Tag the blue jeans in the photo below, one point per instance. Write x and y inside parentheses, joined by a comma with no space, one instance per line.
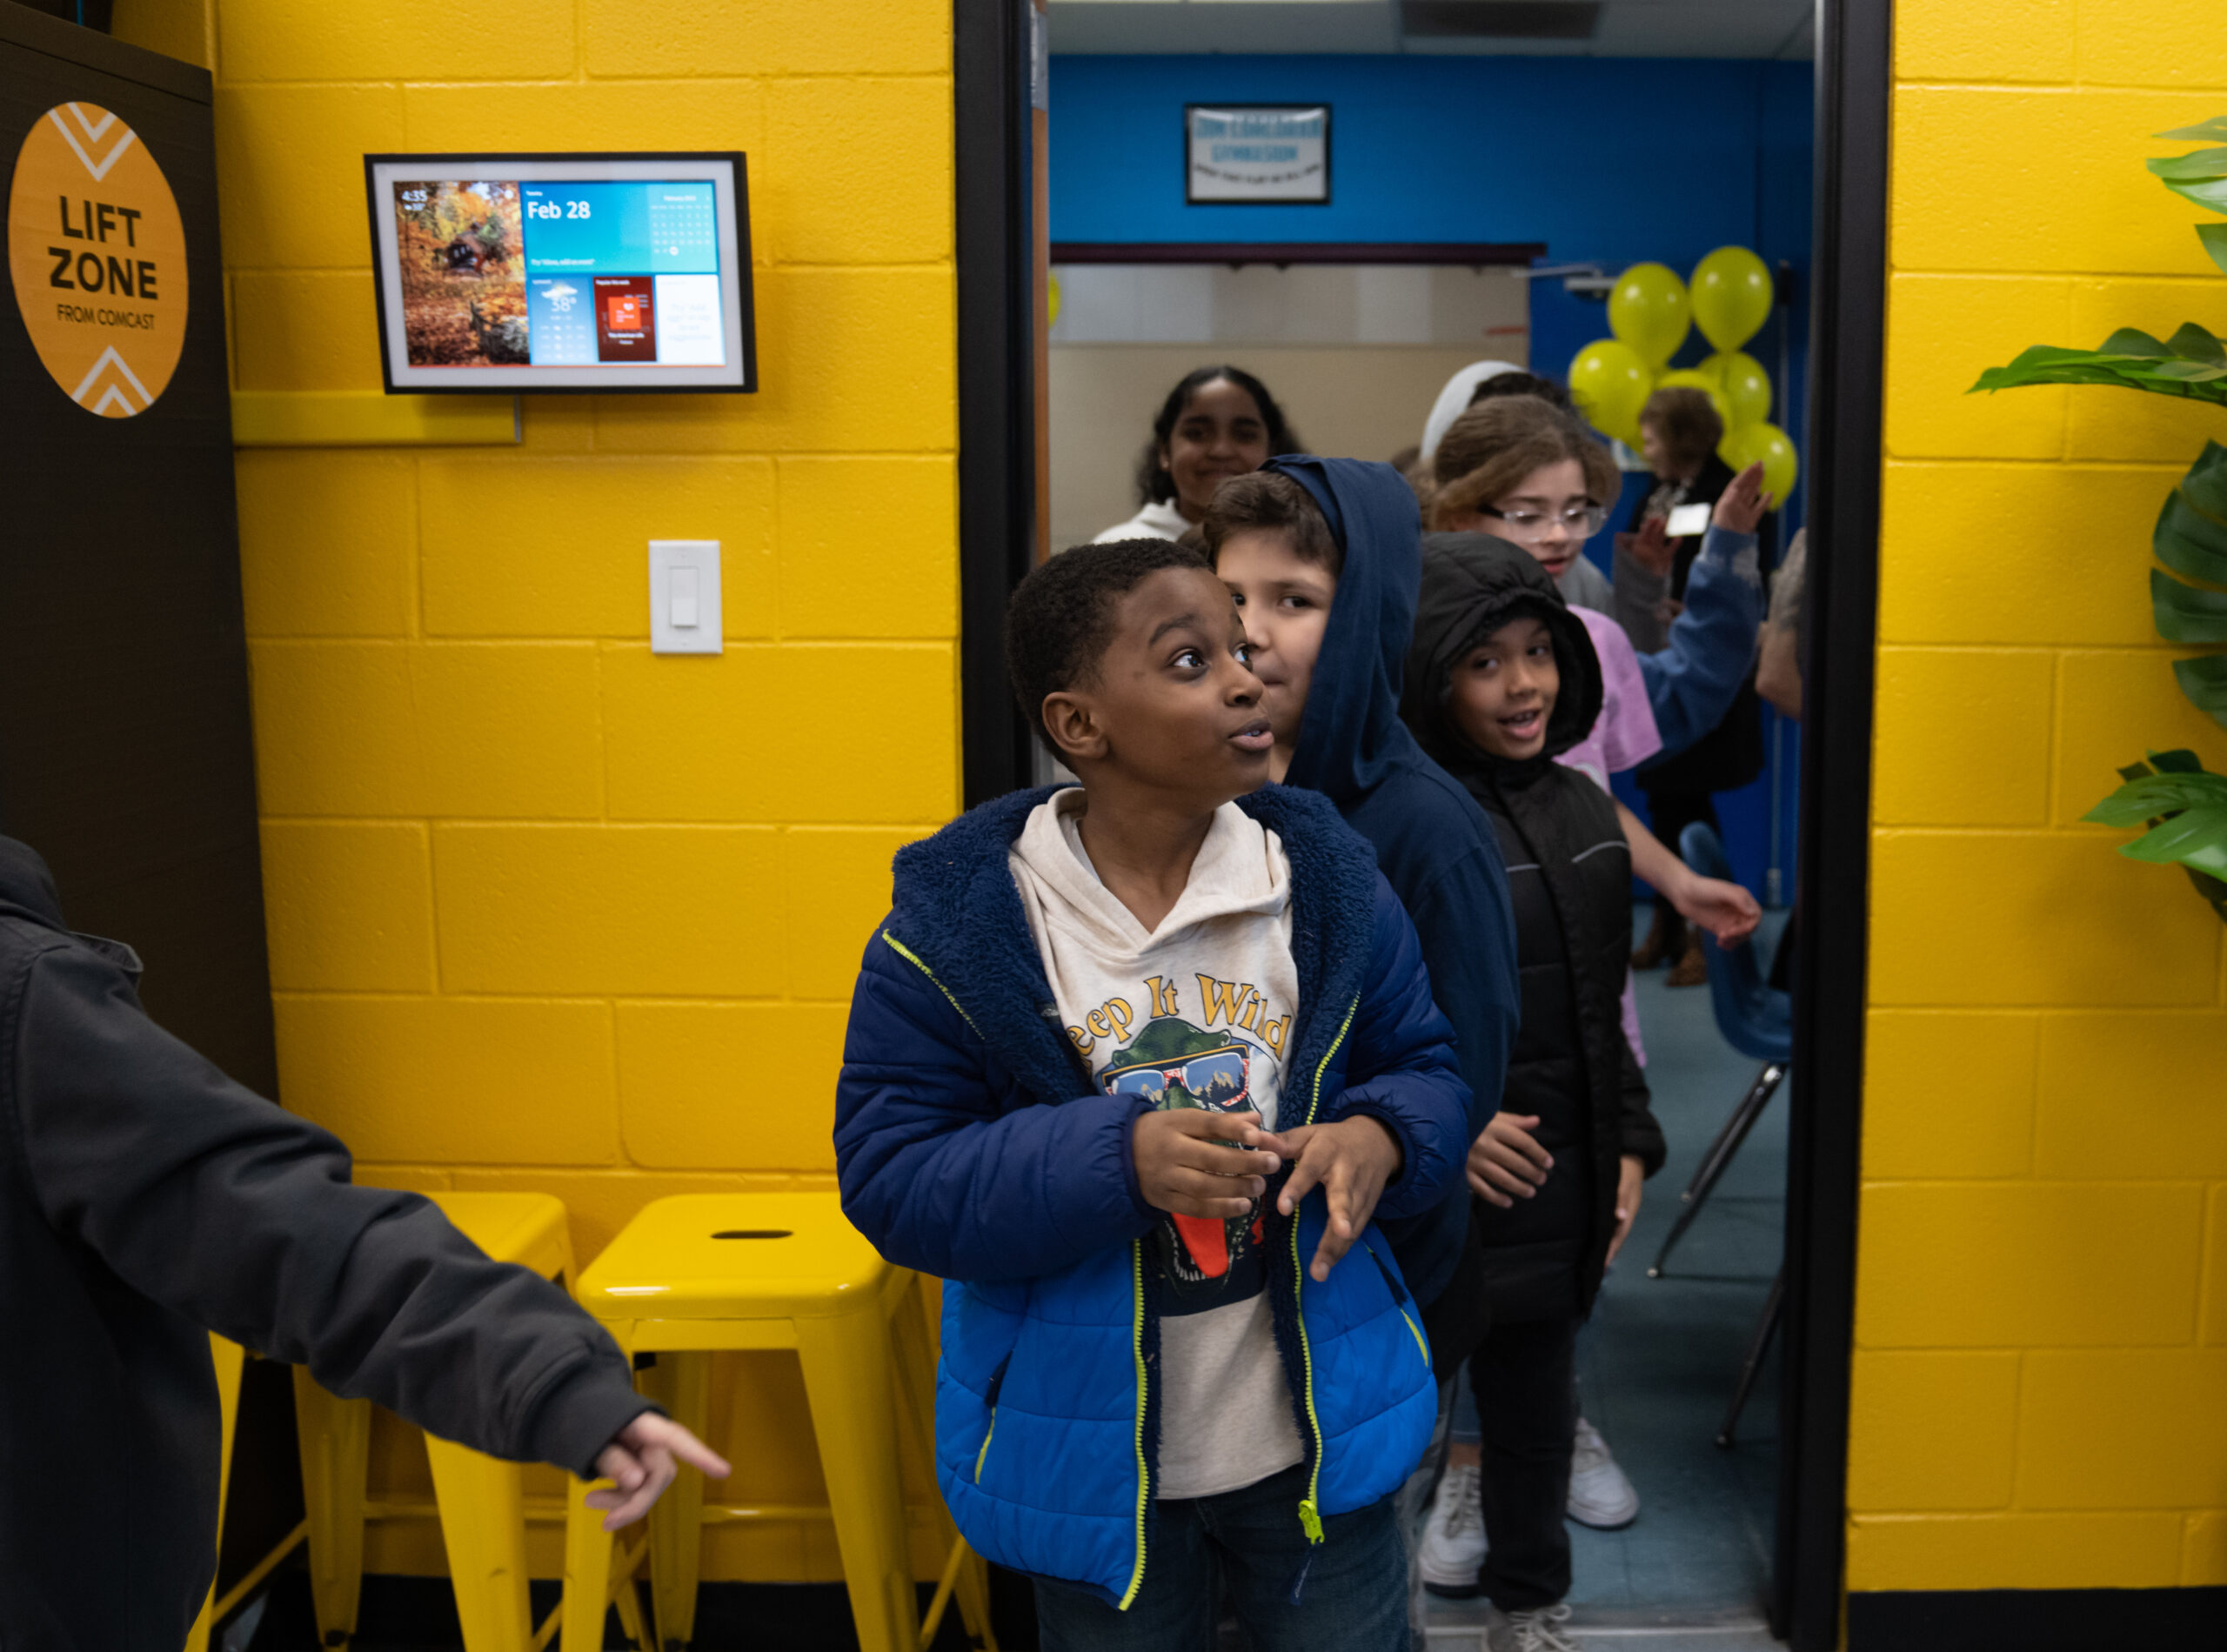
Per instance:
(1354,1595)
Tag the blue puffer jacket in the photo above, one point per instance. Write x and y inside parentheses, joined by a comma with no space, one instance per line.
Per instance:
(971,1145)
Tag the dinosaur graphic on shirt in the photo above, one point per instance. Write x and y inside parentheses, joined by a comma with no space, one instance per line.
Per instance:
(1206,1261)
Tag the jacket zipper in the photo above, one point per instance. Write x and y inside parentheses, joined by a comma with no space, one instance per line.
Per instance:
(1310,1515)
(1144,1471)
(997,1382)
(914,958)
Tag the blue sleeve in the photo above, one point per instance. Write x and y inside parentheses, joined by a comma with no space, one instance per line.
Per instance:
(937,1176)
(1467,927)
(1691,682)
(1400,1067)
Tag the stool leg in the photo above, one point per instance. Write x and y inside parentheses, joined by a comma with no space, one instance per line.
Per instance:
(682,1383)
(847,1377)
(336,1447)
(229,1358)
(588,1573)
(482,1502)
(627,1598)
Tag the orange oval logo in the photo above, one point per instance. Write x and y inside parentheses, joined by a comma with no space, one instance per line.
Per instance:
(98,252)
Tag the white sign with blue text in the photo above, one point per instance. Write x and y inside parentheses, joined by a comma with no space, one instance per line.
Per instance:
(1257,152)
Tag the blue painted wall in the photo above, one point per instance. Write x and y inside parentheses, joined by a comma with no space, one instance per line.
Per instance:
(1614,160)
(1609,158)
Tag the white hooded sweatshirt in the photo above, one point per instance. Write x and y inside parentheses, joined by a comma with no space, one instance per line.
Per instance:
(1196,1013)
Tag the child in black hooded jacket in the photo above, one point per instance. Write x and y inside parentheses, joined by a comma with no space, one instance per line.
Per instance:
(1500,679)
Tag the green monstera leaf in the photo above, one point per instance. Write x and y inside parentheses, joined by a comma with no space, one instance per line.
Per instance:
(2184,806)
(2192,365)
(2191,540)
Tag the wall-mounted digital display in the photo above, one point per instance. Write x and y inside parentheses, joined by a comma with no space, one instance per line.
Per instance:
(552,272)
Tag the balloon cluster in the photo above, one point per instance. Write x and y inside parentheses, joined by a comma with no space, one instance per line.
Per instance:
(1649,312)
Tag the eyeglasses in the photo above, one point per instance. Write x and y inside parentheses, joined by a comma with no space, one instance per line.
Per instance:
(1581,521)
(1215,1078)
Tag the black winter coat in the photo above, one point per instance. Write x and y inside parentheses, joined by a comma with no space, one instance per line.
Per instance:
(1569,871)
(144,1196)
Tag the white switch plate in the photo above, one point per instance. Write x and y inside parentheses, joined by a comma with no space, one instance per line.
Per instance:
(685,612)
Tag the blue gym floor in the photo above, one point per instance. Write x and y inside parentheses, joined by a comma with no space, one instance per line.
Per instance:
(1660,1359)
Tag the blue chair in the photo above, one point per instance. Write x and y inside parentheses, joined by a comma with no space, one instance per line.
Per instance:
(1756,1019)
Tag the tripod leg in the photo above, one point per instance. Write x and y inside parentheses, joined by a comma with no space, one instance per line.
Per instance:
(1719,1157)
(1757,1346)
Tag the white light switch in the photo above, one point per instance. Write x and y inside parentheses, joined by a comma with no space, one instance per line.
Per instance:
(685,614)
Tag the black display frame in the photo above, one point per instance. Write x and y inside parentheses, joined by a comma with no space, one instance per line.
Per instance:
(1329,152)
(486,162)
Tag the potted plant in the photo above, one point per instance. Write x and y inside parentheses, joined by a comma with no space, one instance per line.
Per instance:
(2183,804)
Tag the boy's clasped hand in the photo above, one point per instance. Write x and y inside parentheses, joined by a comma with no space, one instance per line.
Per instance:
(1193,1162)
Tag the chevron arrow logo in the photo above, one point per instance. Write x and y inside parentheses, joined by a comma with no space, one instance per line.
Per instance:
(94,132)
(112,384)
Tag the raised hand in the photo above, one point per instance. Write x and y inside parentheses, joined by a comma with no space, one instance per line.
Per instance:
(1743,501)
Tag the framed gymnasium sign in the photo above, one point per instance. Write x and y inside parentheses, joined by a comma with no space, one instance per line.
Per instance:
(1274,154)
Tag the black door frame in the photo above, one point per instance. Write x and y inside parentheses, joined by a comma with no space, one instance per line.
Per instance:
(991,65)
(1847,350)
(995,231)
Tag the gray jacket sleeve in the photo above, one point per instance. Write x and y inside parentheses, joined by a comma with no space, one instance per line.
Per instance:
(241,1216)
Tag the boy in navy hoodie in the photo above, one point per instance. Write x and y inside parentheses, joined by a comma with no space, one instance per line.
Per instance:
(1134,1065)
(1322,557)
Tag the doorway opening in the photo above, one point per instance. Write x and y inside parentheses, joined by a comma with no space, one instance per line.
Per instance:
(1054,413)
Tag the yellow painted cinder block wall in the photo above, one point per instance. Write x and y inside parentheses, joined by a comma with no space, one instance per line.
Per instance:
(547,912)
(2042,1320)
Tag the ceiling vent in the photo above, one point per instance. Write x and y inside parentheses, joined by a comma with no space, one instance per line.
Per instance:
(1500,19)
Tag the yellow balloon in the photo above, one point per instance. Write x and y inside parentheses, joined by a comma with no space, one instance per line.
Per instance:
(1770,446)
(1649,310)
(1610,382)
(1694,378)
(1747,387)
(1732,295)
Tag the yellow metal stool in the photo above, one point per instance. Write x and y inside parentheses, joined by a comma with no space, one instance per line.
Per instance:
(481,1499)
(230,1361)
(699,1274)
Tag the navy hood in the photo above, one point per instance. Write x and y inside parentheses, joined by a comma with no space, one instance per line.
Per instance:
(1350,740)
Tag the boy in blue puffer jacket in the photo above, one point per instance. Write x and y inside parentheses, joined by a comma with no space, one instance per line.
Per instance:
(1132,1065)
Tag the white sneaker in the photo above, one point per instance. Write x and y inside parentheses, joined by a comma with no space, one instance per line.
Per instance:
(1599,1495)
(1453,1536)
(1540,1630)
